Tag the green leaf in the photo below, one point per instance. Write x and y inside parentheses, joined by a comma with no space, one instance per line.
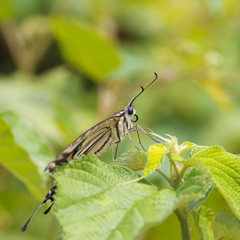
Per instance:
(91,202)
(226,226)
(198,181)
(17,159)
(205,219)
(207,190)
(30,140)
(134,159)
(224,169)
(194,184)
(84,47)
(156,154)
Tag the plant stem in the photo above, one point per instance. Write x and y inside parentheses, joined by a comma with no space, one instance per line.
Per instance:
(182,215)
(165,176)
(180,176)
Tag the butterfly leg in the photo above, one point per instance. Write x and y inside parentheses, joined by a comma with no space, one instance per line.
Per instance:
(114,150)
(139,128)
(128,133)
(139,140)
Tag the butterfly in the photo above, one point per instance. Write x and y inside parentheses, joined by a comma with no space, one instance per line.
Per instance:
(96,140)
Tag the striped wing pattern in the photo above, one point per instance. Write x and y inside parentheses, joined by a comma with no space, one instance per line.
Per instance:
(96,140)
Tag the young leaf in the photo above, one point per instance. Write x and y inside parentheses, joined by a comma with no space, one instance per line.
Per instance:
(17,160)
(204,219)
(224,169)
(156,154)
(185,147)
(85,48)
(177,151)
(135,160)
(226,226)
(91,203)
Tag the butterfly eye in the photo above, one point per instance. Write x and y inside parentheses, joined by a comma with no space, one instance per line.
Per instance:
(130,110)
(136,118)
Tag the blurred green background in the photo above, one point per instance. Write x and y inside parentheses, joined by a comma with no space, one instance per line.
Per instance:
(66,65)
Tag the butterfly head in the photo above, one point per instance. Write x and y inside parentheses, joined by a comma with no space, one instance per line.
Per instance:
(131,113)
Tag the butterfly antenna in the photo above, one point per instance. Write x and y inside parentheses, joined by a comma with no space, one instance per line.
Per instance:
(143,89)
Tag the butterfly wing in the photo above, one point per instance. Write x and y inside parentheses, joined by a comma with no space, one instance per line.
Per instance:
(96,140)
